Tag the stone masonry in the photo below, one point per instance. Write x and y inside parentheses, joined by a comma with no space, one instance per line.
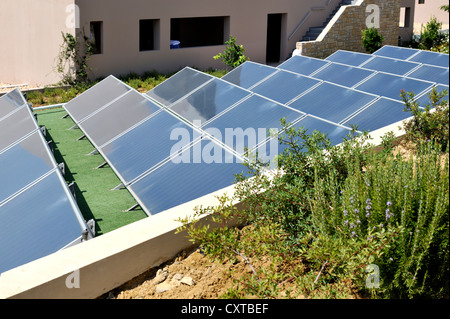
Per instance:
(344,30)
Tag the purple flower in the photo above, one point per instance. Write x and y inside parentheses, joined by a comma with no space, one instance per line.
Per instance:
(357,210)
(345,222)
(345,212)
(389,203)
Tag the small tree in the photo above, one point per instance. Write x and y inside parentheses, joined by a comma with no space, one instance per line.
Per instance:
(372,39)
(233,55)
(430,36)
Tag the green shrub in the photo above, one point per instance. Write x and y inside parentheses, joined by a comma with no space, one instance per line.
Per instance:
(430,122)
(233,55)
(372,40)
(430,36)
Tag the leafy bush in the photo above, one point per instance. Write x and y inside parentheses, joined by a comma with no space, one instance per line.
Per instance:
(233,55)
(372,40)
(430,36)
(430,122)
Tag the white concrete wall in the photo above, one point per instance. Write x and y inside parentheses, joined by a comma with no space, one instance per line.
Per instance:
(425,11)
(30,40)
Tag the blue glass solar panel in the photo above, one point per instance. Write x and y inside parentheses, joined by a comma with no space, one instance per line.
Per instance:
(248,74)
(332,102)
(270,149)
(36,223)
(23,163)
(118,117)
(284,86)
(302,65)
(431,73)
(380,114)
(424,99)
(389,85)
(96,97)
(255,116)
(202,169)
(432,58)
(209,101)
(349,58)
(137,151)
(16,126)
(396,52)
(389,65)
(10,102)
(343,74)
(178,85)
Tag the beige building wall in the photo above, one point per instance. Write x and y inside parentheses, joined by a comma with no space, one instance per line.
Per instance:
(31,43)
(247,21)
(424,11)
(30,39)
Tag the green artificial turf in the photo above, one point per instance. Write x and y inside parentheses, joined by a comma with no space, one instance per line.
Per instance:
(93,187)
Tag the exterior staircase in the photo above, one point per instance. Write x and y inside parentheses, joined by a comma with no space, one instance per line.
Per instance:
(314,32)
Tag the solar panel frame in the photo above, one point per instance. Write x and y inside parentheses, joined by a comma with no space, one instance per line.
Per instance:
(240,76)
(117,117)
(183,83)
(114,150)
(284,86)
(349,57)
(340,74)
(431,58)
(193,177)
(16,125)
(303,65)
(390,65)
(93,99)
(377,85)
(316,102)
(54,228)
(208,101)
(380,113)
(10,102)
(396,52)
(430,73)
(24,162)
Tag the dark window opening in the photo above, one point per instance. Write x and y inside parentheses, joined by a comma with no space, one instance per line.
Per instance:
(196,32)
(405,17)
(274,28)
(421,1)
(148,35)
(96,36)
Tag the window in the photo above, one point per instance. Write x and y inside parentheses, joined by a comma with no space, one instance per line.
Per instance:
(405,17)
(96,36)
(202,31)
(148,35)
(421,1)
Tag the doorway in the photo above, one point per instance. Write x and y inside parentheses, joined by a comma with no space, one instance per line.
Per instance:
(274,34)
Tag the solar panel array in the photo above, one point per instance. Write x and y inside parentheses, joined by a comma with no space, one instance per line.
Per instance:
(173,144)
(349,88)
(38,214)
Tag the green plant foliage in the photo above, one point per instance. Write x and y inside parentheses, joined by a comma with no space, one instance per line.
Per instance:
(430,37)
(233,55)
(430,123)
(73,59)
(372,40)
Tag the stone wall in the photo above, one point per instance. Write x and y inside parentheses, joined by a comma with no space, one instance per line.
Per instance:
(344,30)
